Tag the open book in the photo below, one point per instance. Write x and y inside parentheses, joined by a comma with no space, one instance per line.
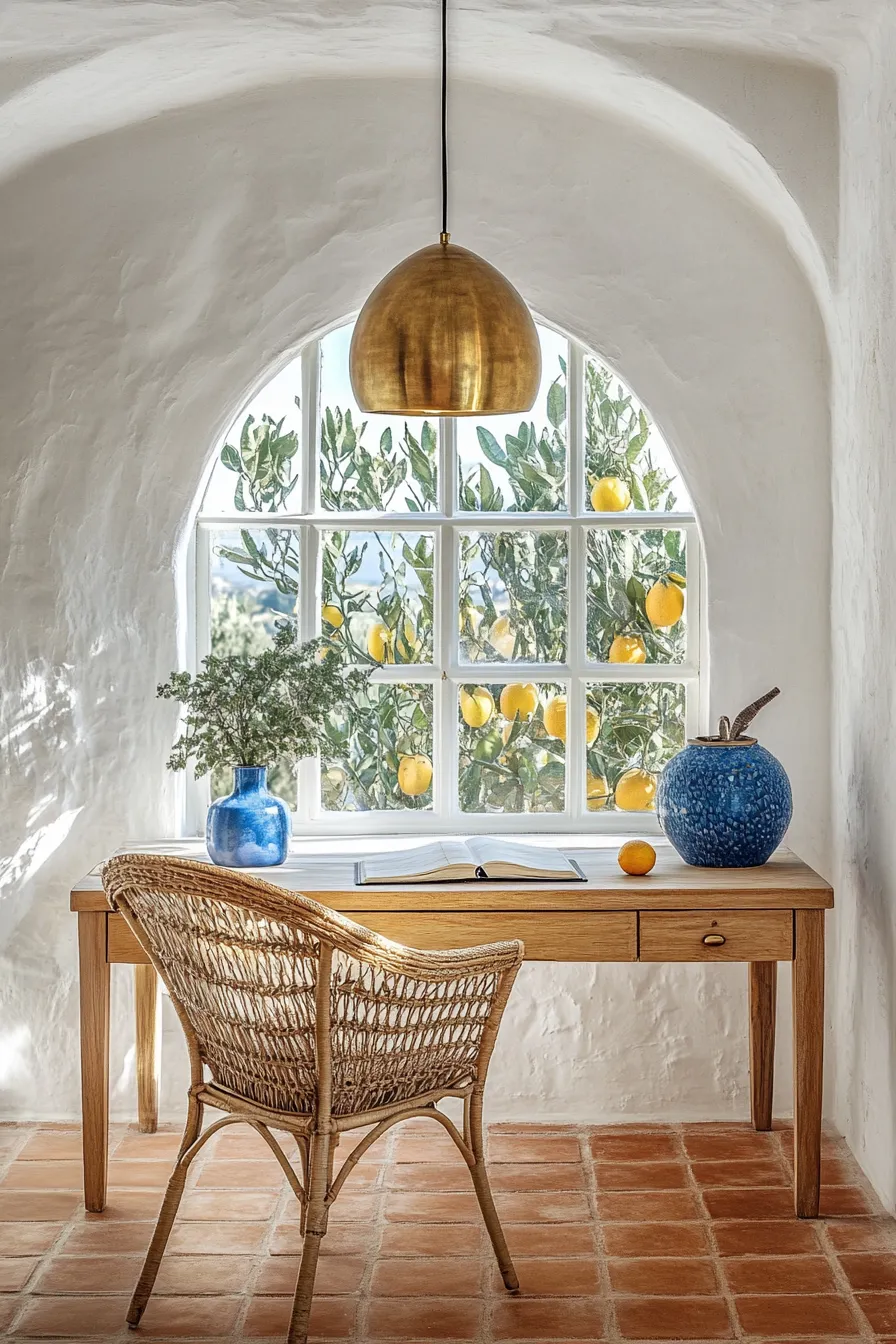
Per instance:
(460,860)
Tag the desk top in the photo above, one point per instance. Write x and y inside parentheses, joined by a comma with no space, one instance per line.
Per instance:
(324,870)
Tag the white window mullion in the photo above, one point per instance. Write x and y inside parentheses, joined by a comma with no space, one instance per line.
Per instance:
(445,694)
(309,603)
(575,652)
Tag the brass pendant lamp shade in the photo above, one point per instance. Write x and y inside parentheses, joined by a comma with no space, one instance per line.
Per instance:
(444,333)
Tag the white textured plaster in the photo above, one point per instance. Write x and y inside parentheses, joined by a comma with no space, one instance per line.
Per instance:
(150,275)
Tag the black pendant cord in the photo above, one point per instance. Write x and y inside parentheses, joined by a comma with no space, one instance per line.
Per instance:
(444,121)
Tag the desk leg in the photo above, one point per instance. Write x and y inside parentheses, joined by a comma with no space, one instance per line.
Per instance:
(146,1004)
(94,998)
(763,991)
(808,1048)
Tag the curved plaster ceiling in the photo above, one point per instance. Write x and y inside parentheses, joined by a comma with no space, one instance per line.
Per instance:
(80,68)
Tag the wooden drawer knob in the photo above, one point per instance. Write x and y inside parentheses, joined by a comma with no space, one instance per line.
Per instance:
(714,939)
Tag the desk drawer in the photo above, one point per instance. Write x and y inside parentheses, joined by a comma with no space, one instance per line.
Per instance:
(748,935)
(548,935)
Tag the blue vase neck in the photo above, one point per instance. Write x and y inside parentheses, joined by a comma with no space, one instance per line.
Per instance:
(249,778)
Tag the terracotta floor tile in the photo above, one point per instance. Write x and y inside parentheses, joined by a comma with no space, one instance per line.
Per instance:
(880,1309)
(863,1234)
(650,1206)
(422,1277)
(673,1318)
(429,1176)
(651,1239)
(436,1146)
(623,1147)
(348,1239)
(843,1201)
(180,1317)
(663,1277)
(553,1277)
(42,1176)
(784,1274)
(431,1239)
(90,1274)
(331,1317)
(748,1174)
(239,1142)
(538,1208)
(239,1206)
(147,1175)
(15,1272)
(533,1176)
(220,1275)
(737,1146)
(433,1208)
(52,1146)
(131,1206)
(522,1148)
(765,1203)
(641,1175)
(28,1238)
(160,1147)
(795,1315)
(757,1237)
(72,1317)
(352,1206)
(873,1272)
(9,1307)
(39,1207)
(422,1318)
(557,1319)
(550,1239)
(336,1275)
(116,1238)
(244,1174)
(216,1238)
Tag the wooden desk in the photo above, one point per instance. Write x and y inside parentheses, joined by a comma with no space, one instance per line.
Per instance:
(756,915)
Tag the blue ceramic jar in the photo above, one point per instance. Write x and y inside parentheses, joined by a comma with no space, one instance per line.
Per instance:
(724,804)
(249,828)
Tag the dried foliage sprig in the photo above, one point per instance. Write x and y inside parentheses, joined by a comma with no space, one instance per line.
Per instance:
(258,709)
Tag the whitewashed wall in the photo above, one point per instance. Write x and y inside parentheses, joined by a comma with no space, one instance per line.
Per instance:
(152,274)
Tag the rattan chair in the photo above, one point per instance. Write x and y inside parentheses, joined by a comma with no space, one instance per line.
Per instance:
(297,1019)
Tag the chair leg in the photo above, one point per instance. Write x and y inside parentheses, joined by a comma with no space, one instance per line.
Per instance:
(316,1211)
(170,1205)
(483,1190)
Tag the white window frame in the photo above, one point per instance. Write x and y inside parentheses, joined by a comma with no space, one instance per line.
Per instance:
(447,672)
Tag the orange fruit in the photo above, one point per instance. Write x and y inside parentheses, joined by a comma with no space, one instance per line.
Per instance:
(636,857)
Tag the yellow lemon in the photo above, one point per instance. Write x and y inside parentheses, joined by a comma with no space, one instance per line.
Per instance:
(677,578)
(476,706)
(555,717)
(332,615)
(592,724)
(636,857)
(628,649)
(469,619)
(379,642)
(664,604)
(598,791)
(414,775)
(519,698)
(636,791)
(501,637)
(610,495)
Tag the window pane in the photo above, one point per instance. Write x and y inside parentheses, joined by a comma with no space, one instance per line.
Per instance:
(380,462)
(518,462)
(627,462)
(512,742)
(512,596)
(282,780)
(378,595)
(254,582)
(640,726)
(636,584)
(377,753)
(257,466)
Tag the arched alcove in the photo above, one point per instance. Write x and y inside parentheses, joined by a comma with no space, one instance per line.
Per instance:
(149,274)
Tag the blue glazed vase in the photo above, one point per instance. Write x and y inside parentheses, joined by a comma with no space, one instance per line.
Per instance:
(724,804)
(250,827)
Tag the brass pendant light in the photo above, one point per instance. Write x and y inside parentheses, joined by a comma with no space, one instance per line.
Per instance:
(444,333)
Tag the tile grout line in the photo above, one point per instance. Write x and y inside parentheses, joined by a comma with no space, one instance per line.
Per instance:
(725,1292)
(611,1327)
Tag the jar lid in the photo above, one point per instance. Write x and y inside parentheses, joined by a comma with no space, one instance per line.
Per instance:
(722,741)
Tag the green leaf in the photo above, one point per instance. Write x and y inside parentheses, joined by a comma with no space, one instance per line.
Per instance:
(230,457)
(490,446)
(556,403)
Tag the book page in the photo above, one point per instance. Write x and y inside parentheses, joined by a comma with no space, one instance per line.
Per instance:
(421,861)
(485,849)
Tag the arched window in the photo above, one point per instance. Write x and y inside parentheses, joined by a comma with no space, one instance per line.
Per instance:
(505,578)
